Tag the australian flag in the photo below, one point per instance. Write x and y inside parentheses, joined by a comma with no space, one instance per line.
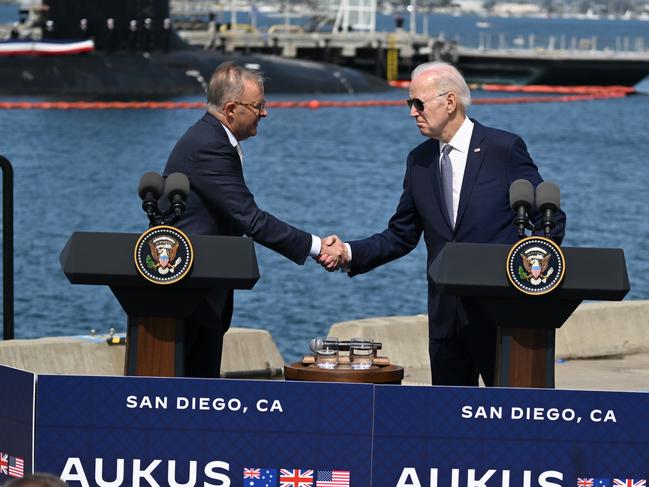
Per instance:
(259,477)
(592,482)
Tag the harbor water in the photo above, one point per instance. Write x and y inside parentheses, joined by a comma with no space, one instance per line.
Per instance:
(332,170)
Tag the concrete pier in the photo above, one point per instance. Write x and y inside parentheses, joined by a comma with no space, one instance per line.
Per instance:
(246,353)
(603,346)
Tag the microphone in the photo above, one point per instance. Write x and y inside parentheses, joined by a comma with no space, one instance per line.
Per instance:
(521,199)
(150,190)
(176,189)
(548,201)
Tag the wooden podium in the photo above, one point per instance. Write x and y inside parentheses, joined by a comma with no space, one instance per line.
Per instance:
(156,313)
(526,324)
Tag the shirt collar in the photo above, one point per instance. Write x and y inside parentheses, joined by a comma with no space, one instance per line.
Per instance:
(233,140)
(462,138)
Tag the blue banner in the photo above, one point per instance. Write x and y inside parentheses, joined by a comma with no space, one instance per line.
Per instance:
(113,431)
(127,431)
(475,437)
(16,423)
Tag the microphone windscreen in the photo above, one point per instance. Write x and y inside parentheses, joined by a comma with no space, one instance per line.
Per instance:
(548,196)
(150,182)
(177,184)
(521,193)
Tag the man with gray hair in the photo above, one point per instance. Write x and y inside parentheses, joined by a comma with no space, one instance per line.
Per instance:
(220,203)
(456,189)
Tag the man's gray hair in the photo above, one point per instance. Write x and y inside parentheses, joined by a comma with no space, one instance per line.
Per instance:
(226,84)
(446,78)
(37,479)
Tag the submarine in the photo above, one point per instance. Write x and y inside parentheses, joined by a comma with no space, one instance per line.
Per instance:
(137,54)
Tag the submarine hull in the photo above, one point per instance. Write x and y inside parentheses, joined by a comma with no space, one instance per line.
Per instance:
(122,76)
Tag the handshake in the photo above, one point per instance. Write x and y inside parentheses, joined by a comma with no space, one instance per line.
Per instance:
(333,253)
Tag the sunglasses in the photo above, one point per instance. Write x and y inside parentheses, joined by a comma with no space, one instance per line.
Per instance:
(419,104)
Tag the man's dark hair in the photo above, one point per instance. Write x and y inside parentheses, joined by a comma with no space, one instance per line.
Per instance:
(226,84)
(37,480)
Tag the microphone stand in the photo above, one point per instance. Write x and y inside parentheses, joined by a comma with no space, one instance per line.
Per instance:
(548,222)
(522,222)
(168,217)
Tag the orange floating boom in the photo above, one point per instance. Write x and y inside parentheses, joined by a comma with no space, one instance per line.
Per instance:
(311,104)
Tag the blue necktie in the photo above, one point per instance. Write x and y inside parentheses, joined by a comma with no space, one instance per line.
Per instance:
(446,172)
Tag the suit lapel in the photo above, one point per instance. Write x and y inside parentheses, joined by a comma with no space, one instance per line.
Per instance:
(437,183)
(477,150)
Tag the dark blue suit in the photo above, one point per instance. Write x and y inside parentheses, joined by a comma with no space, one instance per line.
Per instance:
(495,159)
(220,203)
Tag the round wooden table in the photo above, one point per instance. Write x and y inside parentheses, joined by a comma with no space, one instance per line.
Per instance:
(377,374)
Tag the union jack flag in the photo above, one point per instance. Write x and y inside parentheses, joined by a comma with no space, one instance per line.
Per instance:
(16,467)
(4,463)
(630,482)
(584,482)
(333,478)
(251,473)
(295,478)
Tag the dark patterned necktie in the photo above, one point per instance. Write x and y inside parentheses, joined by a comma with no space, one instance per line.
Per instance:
(446,172)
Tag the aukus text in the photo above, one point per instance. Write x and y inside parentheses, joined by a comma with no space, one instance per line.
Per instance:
(141,474)
(410,477)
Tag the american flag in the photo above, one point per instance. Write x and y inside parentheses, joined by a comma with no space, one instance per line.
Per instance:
(4,463)
(260,477)
(584,482)
(295,478)
(332,478)
(16,467)
(251,473)
(630,482)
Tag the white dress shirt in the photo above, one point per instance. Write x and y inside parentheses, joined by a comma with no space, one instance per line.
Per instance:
(315,240)
(460,143)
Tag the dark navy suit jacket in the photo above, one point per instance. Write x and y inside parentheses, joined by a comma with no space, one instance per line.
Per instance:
(220,203)
(495,159)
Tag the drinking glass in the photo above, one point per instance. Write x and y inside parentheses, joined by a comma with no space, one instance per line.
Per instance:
(326,353)
(361,353)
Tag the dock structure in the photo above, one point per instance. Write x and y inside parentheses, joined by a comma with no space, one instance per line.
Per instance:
(368,51)
(342,32)
(393,55)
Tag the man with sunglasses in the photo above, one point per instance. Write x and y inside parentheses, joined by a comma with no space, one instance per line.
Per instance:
(456,189)
(220,203)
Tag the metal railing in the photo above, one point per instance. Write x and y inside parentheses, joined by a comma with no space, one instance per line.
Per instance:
(7,248)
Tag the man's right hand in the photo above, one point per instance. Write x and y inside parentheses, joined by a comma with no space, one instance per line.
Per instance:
(333,253)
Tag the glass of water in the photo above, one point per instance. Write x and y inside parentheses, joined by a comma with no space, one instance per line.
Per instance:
(326,353)
(361,353)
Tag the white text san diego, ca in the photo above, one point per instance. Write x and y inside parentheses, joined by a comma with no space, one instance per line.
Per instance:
(218,404)
(519,413)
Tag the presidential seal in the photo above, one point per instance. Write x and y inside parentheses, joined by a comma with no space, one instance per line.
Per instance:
(535,265)
(163,255)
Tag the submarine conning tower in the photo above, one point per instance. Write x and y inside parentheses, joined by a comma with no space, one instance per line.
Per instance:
(142,25)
